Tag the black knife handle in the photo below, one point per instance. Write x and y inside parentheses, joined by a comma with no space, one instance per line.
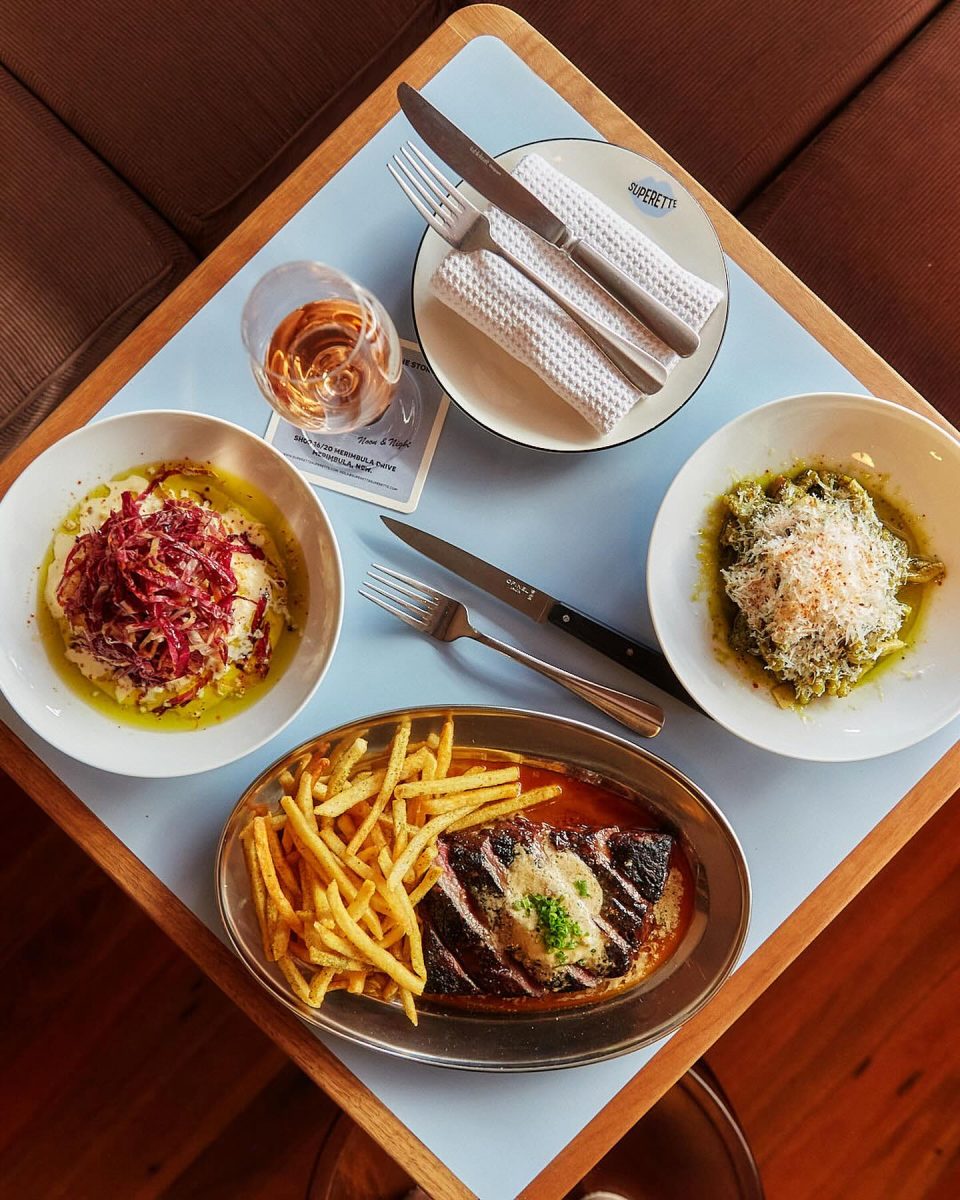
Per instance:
(650,664)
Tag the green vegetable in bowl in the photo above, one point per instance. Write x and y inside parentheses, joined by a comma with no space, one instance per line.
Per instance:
(815,577)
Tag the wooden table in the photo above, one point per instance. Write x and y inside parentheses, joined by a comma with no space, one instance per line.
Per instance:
(176,920)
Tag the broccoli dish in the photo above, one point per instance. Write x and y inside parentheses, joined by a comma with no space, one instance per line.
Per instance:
(815,580)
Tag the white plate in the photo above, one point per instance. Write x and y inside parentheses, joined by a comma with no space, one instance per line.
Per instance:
(907,459)
(36,505)
(507,397)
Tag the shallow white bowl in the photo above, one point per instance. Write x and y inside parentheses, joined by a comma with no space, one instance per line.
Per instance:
(911,462)
(33,509)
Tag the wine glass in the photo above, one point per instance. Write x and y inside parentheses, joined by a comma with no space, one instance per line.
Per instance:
(322,348)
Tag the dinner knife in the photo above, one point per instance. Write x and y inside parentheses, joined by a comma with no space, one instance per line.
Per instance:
(541,607)
(499,187)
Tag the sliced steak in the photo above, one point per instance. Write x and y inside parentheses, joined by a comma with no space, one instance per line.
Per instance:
(526,910)
(447,977)
(447,911)
(623,906)
(644,859)
(477,868)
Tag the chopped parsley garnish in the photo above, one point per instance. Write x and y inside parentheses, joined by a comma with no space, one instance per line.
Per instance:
(583,888)
(557,929)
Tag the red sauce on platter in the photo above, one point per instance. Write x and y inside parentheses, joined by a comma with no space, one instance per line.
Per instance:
(584,803)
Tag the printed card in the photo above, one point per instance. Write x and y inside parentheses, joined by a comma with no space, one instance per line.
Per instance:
(385,470)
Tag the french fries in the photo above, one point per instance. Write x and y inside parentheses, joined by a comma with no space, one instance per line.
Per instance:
(337,873)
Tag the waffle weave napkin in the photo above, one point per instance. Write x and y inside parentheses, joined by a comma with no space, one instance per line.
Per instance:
(512,311)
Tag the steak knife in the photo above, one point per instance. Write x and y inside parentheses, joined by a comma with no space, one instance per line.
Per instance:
(499,187)
(540,607)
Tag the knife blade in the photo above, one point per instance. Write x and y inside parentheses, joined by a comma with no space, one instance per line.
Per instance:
(541,607)
(484,173)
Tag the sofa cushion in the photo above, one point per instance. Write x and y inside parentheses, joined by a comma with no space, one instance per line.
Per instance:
(868,215)
(730,88)
(204,108)
(82,261)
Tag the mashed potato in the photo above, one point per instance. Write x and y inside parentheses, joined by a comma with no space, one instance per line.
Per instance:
(181,577)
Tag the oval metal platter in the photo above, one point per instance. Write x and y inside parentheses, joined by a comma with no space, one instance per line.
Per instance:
(532,1040)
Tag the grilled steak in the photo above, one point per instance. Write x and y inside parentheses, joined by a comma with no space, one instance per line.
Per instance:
(528,910)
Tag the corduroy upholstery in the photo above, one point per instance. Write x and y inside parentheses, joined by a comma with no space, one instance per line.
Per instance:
(204,106)
(869,215)
(82,261)
(731,88)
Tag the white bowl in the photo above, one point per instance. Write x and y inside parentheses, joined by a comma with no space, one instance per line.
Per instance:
(910,461)
(36,505)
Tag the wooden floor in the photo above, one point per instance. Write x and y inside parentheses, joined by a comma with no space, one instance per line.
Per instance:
(123,1073)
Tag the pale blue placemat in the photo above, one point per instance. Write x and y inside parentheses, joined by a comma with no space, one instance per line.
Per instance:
(575,525)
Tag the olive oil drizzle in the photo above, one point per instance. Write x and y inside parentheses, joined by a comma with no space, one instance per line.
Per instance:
(722,611)
(223,491)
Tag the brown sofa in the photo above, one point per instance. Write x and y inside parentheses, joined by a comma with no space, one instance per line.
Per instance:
(134,136)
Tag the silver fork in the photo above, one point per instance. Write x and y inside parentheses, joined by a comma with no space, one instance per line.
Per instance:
(446,619)
(447,210)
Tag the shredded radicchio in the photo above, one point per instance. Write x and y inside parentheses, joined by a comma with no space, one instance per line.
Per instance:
(150,594)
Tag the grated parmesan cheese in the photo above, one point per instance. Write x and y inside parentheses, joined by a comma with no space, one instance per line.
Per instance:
(816,579)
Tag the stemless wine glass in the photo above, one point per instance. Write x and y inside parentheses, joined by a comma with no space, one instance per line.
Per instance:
(323,349)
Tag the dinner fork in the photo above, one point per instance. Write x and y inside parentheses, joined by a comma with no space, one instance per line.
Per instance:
(446,209)
(446,619)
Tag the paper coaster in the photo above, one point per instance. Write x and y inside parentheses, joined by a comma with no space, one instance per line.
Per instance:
(366,464)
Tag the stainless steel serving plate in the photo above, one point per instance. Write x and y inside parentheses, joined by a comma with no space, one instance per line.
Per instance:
(528,1041)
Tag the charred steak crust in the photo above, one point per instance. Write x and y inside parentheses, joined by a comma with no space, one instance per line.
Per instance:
(623,906)
(469,934)
(644,859)
(446,975)
(446,910)
(503,843)
(474,867)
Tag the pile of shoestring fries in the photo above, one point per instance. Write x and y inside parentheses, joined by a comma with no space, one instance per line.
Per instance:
(337,873)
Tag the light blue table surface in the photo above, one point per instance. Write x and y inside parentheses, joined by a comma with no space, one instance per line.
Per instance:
(576,525)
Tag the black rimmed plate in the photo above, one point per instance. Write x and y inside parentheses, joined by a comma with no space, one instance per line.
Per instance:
(511,400)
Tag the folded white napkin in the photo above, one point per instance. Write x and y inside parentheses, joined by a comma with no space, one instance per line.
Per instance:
(495,298)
